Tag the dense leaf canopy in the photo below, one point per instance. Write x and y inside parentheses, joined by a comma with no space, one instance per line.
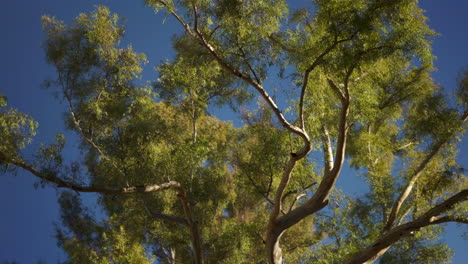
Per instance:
(179,185)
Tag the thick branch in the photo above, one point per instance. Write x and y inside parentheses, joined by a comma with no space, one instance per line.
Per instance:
(320,199)
(277,207)
(327,150)
(195,233)
(431,217)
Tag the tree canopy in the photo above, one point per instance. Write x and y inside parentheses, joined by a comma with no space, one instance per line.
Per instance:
(179,185)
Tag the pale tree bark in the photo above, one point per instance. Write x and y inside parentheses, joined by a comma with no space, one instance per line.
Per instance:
(327,150)
(431,217)
(272,241)
(277,226)
(409,187)
(416,175)
(320,199)
(376,252)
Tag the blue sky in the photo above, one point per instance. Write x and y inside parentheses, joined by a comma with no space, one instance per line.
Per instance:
(27,214)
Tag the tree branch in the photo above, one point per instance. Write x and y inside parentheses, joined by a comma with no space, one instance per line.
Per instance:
(431,217)
(92,189)
(195,233)
(327,150)
(277,207)
(320,199)
(89,140)
(244,57)
(417,174)
(264,194)
(165,217)
(198,35)
(409,187)
(307,72)
(196,240)
(448,218)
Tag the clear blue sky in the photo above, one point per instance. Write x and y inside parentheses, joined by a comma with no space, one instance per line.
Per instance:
(27,214)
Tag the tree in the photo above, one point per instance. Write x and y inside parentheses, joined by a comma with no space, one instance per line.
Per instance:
(180,185)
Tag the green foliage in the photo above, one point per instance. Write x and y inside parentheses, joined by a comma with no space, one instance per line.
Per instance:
(378,55)
(16,131)
(414,251)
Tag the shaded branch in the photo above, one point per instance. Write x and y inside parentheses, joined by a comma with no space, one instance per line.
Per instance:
(92,189)
(165,217)
(244,57)
(273,38)
(264,194)
(193,225)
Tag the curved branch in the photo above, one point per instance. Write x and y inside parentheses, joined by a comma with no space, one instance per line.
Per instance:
(198,35)
(319,200)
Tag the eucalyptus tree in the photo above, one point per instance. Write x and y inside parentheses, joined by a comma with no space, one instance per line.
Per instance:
(178,185)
